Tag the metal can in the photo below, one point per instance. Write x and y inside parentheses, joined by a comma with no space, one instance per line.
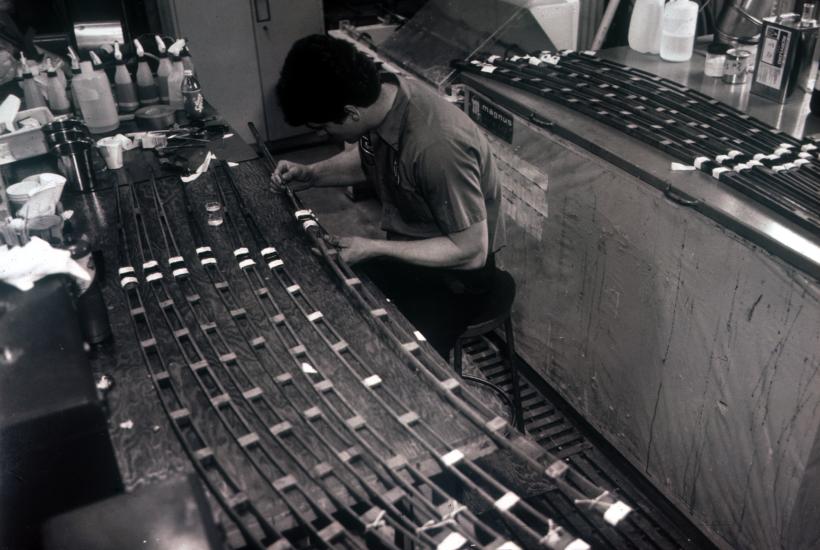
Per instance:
(749,44)
(735,69)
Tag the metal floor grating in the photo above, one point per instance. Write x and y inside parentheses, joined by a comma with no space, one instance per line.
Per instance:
(547,421)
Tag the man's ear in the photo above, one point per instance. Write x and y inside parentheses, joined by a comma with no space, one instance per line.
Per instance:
(353,112)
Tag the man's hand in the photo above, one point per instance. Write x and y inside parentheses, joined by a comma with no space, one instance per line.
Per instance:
(356,249)
(297,177)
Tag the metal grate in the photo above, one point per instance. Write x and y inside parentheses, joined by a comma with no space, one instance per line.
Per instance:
(655,525)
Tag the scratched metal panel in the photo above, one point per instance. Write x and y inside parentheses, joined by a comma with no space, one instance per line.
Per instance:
(692,350)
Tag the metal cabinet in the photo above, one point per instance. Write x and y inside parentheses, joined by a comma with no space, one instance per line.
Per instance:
(239,47)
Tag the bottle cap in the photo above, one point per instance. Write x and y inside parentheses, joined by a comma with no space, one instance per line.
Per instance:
(716,48)
(748,40)
(175,48)
(160,45)
(95,59)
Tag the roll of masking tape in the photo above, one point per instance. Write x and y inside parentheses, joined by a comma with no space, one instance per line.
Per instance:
(155,117)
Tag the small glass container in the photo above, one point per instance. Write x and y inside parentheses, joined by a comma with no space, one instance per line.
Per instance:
(214,210)
(735,69)
(748,45)
(715,59)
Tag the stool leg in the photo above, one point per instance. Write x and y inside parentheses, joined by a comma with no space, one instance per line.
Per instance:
(457,357)
(519,410)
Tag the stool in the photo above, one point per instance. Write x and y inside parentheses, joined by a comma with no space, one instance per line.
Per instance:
(494,311)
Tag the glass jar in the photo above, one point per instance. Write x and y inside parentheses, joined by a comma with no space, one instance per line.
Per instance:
(715,59)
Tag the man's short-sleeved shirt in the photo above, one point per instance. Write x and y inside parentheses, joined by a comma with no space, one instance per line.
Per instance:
(432,168)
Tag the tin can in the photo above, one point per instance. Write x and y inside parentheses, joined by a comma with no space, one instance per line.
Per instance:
(749,44)
(735,69)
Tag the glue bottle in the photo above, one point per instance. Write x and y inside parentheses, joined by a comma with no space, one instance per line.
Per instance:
(645,26)
(95,100)
(126,89)
(146,85)
(163,70)
(32,95)
(176,76)
(57,98)
(680,20)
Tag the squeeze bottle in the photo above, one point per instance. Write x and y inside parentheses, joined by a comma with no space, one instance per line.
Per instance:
(57,98)
(163,70)
(645,26)
(75,70)
(126,89)
(187,60)
(680,19)
(176,76)
(146,85)
(95,99)
(32,95)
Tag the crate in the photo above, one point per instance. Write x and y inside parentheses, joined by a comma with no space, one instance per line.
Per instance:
(27,143)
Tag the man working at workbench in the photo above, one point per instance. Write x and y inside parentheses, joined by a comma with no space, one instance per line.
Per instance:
(431,168)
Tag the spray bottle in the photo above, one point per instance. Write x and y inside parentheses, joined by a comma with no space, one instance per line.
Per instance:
(57,98)
(177,75)
(146,85)
(32,95)
(126,89)
(163,70)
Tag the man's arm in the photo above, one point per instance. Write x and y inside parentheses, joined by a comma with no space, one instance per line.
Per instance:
(339,170)
(465,249)
(342,169)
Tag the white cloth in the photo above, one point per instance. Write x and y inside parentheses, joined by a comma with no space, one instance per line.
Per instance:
(22,266)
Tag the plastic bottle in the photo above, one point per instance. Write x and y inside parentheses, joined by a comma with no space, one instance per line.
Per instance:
(96,101)
(192,96)
(126,89)
(57,98)
(99,72)
(75,70)
(18,78)
(177,76)
(680,18)
(31,93)
(645,26)
(187,60)
(163,70)
(146,85)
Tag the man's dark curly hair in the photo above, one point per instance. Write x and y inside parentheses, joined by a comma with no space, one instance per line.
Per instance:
(320,76)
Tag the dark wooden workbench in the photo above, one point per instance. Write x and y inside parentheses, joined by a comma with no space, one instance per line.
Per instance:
(147,449)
